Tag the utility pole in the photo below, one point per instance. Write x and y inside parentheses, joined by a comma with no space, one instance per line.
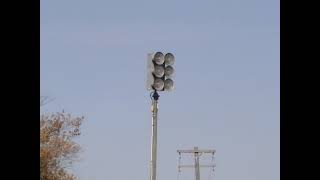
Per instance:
(196,163)
(197,153)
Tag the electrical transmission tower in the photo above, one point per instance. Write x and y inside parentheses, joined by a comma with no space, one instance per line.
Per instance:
(197,153)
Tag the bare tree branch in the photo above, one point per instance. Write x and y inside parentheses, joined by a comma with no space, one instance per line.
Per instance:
(45,100)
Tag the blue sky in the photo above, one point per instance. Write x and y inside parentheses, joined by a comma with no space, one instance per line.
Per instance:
(93,60)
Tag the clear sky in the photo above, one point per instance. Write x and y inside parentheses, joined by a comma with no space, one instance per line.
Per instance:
(93,63)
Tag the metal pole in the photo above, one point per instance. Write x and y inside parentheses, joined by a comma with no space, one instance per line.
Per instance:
(154,109)
(196,163)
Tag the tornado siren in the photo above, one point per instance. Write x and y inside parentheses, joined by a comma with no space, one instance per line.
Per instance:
(160,71)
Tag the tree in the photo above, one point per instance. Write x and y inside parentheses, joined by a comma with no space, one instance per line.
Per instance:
(57,148)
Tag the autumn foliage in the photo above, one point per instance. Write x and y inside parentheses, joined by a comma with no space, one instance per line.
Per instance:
(57,147)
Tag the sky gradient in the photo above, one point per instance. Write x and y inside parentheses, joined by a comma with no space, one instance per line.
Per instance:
(227,96)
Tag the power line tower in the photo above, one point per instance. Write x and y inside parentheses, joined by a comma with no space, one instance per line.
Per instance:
(197,153)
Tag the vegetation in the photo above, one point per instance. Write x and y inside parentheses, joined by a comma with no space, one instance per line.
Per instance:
(57,147)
